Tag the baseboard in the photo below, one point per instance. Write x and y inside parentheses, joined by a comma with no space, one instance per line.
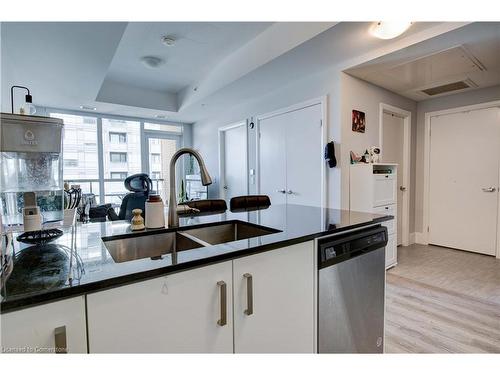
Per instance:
(421,238)
(412,238)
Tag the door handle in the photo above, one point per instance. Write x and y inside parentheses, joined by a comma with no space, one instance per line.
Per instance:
(249,309)
(60,343)
(402,188)
(490,189)
(282,191)
(223,303)
(289,192)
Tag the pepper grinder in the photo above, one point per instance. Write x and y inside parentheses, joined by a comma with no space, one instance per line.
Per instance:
(137,222)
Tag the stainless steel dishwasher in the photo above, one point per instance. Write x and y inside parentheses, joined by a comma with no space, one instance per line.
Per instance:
(351,292)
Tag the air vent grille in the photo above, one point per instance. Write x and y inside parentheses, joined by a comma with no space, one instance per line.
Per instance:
(460,85)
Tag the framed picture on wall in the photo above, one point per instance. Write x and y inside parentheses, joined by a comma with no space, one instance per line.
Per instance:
(358,121)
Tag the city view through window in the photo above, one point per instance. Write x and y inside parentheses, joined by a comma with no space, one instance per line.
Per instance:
(99,163)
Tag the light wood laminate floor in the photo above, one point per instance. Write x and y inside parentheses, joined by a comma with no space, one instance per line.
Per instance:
(441,300)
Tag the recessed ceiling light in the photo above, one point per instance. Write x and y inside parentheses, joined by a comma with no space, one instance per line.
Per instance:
(389,30)
(152,61)
(88,108)
(168,40)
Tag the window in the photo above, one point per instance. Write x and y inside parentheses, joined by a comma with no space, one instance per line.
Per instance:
(163,127)
(118,175)
(155,158)
(80,147)
(117,137)
(70,163)
(118,157)
(100,158)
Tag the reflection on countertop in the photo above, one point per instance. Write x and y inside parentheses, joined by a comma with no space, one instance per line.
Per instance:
(93,268)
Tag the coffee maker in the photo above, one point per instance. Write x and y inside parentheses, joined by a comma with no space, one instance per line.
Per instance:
(31,179)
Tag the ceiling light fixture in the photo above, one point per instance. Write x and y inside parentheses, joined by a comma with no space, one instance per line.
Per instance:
(152,62)
(168,40)
(161,116)
(389,30)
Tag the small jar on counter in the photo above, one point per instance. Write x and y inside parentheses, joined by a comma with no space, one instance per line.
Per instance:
(155,212)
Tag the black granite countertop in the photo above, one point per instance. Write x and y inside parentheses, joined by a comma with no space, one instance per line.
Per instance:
(93,268)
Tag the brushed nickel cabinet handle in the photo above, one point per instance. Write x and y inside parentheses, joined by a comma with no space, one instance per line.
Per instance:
(60,343)
(249,309)
(223,303)
(490,189)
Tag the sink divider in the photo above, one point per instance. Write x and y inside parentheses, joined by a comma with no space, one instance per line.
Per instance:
(195,239)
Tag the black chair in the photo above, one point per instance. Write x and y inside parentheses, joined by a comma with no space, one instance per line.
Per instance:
(249,203)
(139,186)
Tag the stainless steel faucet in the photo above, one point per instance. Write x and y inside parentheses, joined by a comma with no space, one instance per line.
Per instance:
(173,216)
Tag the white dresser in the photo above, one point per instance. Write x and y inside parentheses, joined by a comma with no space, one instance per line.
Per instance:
(373,188)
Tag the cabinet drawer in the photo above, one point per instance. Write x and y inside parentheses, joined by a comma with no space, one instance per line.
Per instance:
(391,252)
(384,189)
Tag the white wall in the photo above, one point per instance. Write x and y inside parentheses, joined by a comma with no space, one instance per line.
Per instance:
(205,133)
(365,97)
(344,94)
(446,102)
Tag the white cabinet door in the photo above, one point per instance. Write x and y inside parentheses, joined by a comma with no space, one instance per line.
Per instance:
(385,191)
(274,301)
(178,313)
(38,329)
(391,251)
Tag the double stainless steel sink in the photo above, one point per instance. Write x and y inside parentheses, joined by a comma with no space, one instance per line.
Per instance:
(124,248)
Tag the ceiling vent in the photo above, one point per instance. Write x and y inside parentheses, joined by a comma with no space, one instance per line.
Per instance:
(449,87)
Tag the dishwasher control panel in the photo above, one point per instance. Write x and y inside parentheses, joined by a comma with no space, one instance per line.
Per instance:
(335,249)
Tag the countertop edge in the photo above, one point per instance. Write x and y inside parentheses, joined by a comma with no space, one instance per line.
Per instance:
(79,290)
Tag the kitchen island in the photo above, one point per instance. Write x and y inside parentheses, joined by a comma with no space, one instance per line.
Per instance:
(109,291)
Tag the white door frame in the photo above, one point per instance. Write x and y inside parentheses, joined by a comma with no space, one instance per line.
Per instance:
(406,115)
(427,163)
(322,101)
(222,179)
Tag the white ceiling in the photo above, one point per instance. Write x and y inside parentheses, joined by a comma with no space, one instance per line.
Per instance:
(199,46)
(471,53)
(212,66)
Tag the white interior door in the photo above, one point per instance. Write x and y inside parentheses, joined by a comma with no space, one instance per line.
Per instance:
(291,157)
(234,161)
(272,168)
(393,152)
(304,156)
(464,172)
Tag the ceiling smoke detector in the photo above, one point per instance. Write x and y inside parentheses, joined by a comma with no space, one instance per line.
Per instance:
(168,40)
(152,62)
